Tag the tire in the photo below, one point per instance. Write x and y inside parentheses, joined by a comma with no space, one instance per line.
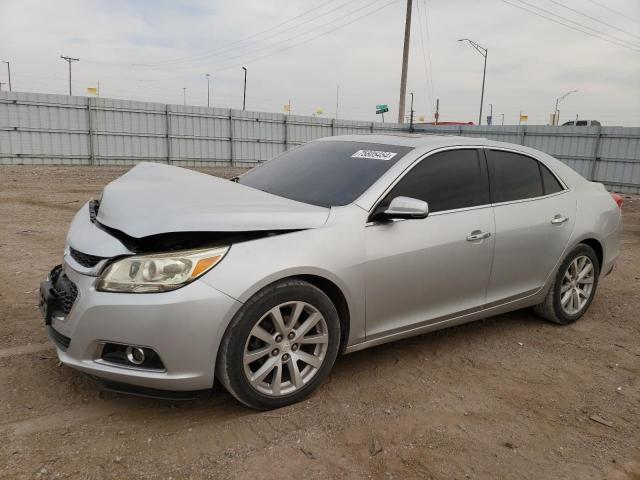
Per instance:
(296,362)
(556,308)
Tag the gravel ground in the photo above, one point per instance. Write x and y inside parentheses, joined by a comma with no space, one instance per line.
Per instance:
(508,397)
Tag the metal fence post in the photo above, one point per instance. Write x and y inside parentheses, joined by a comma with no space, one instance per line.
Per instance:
(333,127)
(285,134)
(92,156)
(371,127)
(167,113)
(231,136)
(596,151)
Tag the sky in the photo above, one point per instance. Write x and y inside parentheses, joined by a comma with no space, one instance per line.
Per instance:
(321,54)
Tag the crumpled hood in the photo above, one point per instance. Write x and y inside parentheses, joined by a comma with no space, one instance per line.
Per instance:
(153,198)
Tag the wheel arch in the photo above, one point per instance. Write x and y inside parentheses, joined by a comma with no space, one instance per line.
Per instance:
(597,247)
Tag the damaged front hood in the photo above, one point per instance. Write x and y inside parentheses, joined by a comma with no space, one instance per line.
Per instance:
(152,198)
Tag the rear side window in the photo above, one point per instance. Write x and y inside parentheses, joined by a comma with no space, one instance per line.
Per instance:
(446,181)
(513,176)
(549,181)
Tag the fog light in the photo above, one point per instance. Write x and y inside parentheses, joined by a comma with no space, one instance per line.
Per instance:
(135,355)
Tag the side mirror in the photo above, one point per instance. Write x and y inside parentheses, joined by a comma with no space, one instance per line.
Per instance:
(406,207)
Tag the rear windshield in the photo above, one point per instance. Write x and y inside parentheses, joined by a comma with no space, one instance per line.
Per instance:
(329,173)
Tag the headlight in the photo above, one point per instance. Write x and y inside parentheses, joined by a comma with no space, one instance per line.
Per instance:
(160,272)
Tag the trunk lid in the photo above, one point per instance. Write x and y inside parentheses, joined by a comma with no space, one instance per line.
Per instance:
(153,198)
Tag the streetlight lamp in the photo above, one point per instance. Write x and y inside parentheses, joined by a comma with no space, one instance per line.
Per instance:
(482,51)
(208,89)
(244,95)
(8,72)
(558,100)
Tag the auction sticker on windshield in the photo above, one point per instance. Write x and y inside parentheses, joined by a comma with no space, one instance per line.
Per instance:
(374,154)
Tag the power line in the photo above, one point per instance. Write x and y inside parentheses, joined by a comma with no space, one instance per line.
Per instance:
(426,25)
(617,12)
(599,32)
(594,19)
(288,47)
(206,53)
(569,26)
(280,42)
(424,56)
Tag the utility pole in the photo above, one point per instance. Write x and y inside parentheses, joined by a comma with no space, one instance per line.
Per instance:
(338,100)
(244,95)
(502,118)
(69,60)
(405,61)
(8,72)
(491,114)
(208,89)
(184,96)
(437,115)
(411,114)
(482,51)
(558,100)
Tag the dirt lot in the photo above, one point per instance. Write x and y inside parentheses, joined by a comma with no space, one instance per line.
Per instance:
(508,397)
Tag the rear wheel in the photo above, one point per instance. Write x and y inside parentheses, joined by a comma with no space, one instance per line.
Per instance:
(280,345)
(573,288)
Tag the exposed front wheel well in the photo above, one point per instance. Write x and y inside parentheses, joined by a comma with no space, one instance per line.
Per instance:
(332,291)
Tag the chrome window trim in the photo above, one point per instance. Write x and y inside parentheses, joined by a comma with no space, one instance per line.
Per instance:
(475,207)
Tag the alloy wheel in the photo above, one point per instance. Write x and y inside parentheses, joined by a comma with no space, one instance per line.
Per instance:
(577,285)
(285,348)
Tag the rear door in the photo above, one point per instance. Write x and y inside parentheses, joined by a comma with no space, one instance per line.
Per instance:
(421,270)
(534,216)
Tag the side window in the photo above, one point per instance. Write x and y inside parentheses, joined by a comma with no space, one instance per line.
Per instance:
(513,176)
(549,181)
(446,181)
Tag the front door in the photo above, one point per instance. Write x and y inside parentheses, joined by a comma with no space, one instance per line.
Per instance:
(421,270)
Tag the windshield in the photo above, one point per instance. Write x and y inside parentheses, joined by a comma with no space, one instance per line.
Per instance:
(330,173)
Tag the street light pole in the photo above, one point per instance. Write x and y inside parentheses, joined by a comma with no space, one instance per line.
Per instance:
(558,100)
(208,89)
(482,51)
(491,113)
(244,95)
(405,61)
(184,96)
(69,60)
(8,72)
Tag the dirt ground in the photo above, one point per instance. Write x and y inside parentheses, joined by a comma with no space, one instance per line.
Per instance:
(510,397)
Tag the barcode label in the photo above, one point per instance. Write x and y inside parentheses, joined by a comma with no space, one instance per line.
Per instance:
(374,155)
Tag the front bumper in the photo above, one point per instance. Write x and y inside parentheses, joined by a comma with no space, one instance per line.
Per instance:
(183,326)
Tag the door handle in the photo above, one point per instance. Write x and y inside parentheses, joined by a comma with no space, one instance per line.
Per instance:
(559,219)
(478,235)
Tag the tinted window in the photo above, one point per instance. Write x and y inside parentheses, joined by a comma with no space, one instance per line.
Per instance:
(446,180)
(328,173)
(549,181)
(581,123)
(513,176)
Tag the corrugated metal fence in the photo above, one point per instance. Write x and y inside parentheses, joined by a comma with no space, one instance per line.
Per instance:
(62,130)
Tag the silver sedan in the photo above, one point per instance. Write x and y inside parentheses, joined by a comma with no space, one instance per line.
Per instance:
(173,278)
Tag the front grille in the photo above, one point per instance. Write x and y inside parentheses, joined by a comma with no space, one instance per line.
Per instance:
(60,340)
(84,259)
(65,289)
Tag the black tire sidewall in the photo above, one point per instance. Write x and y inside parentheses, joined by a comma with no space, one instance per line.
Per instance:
(245,320)
(581,250)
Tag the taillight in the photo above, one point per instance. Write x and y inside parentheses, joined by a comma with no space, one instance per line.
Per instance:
(618,199)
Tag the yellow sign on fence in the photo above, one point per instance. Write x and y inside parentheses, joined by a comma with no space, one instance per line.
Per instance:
(92,90)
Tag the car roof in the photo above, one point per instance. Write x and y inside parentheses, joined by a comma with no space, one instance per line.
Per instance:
(416,140)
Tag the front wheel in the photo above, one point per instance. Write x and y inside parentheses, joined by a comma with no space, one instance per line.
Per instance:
(573,288)
(280,345)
